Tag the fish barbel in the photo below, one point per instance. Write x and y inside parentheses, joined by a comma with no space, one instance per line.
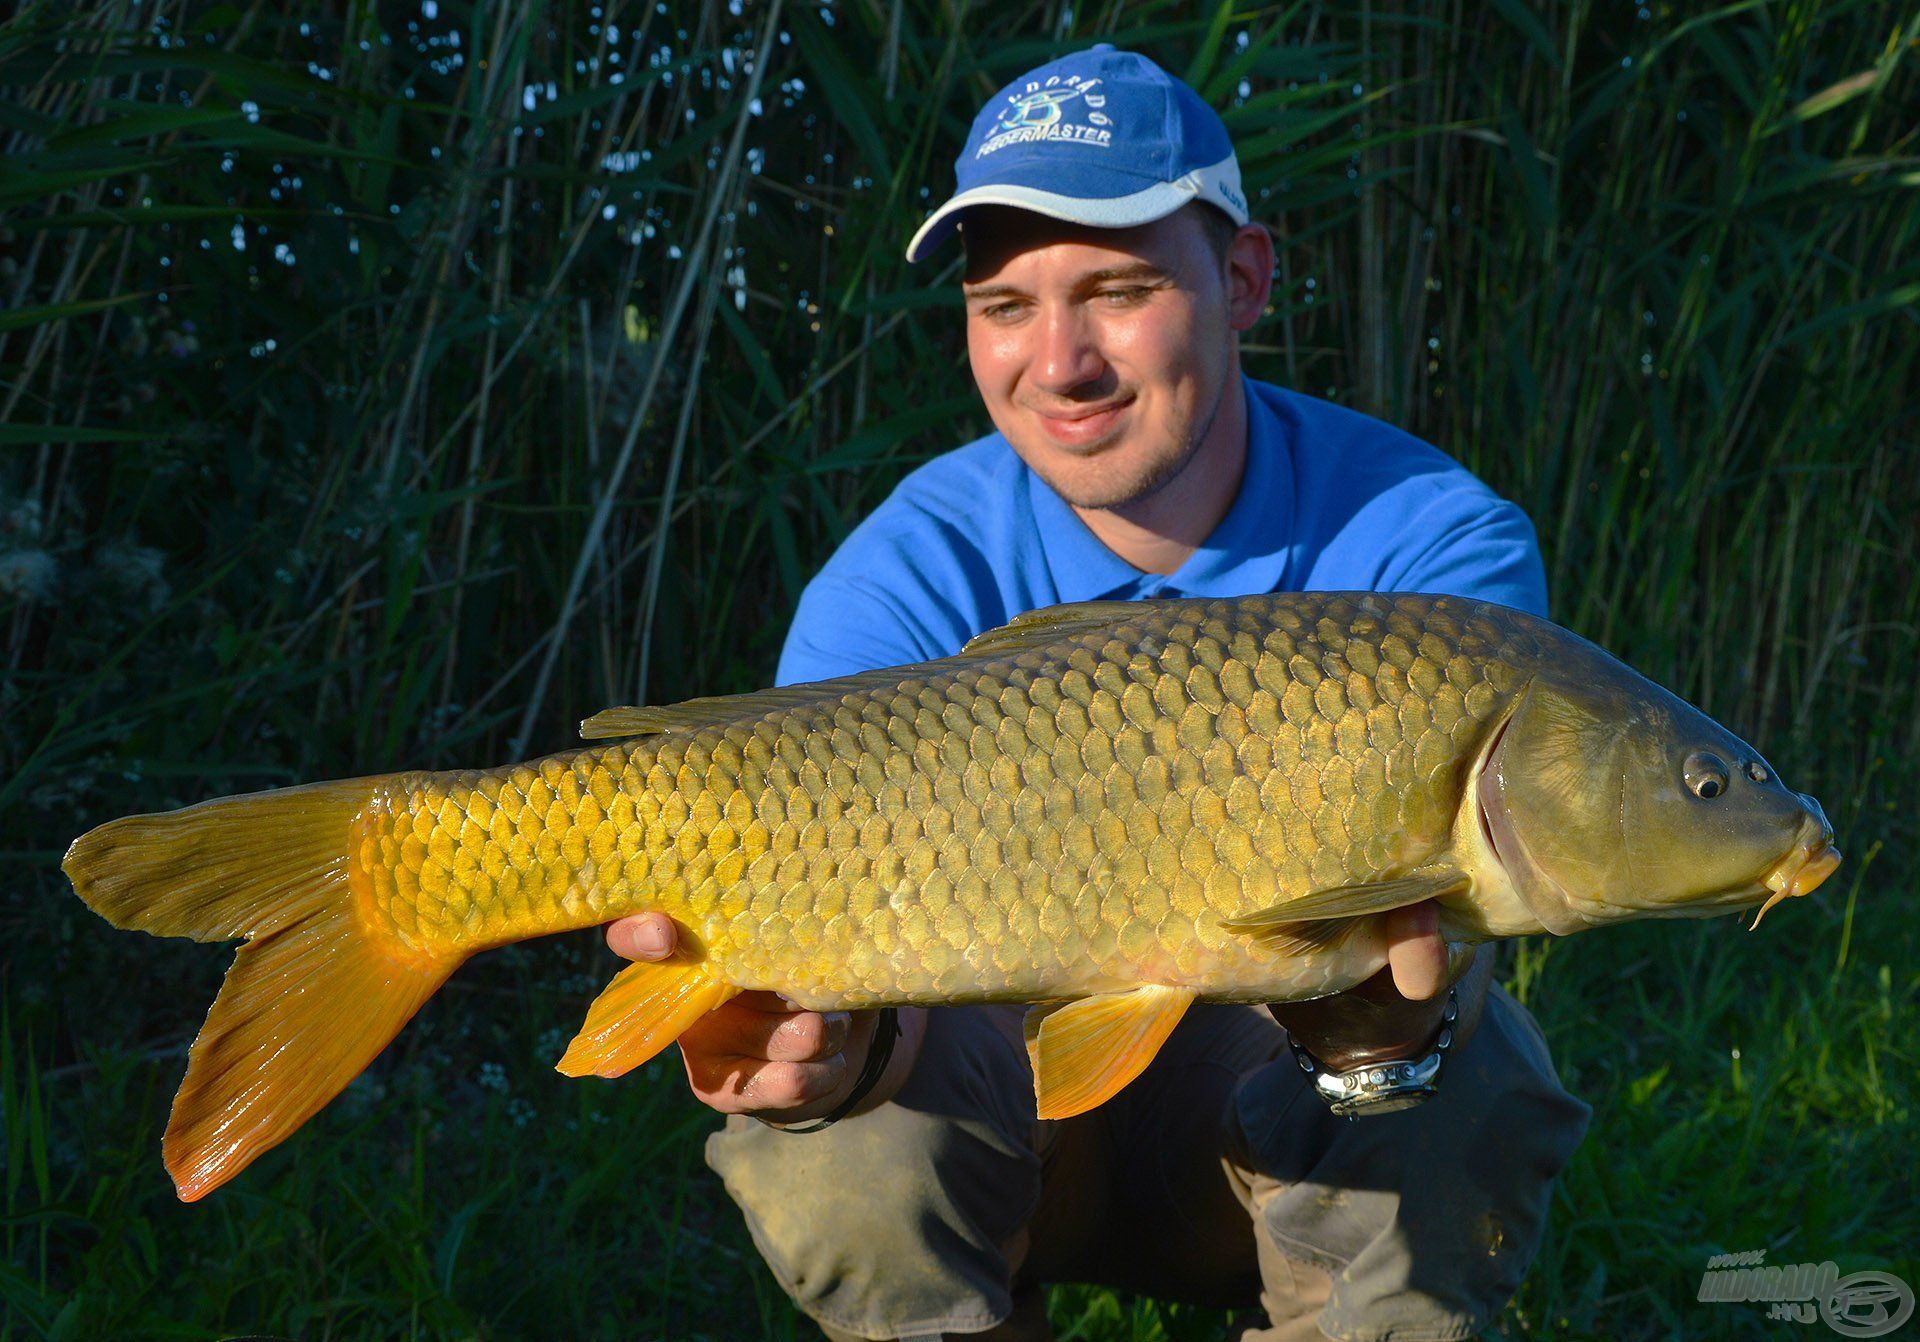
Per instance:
(1111,808)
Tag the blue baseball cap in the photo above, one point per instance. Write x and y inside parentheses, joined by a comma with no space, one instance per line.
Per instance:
(1100,137)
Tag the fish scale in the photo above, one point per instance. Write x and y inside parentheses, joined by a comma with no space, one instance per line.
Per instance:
(1044,822)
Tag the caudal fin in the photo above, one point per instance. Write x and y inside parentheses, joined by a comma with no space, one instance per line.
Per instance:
(310,999)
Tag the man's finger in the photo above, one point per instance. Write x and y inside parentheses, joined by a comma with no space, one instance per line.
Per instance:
(735,1028)
(781,1034)
(788,1085)
(738,1086)
(812,1036)
(1416,951)
(644,936)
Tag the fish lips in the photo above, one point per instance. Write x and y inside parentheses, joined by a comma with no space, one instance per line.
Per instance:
(1801,870)
(1806,865)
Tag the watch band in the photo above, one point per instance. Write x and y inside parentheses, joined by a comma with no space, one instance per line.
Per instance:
(1387,1086)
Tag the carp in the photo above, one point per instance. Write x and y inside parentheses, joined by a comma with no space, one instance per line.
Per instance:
(1109,809)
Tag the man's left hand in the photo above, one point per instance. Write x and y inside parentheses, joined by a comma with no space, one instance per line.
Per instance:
(1396,1013)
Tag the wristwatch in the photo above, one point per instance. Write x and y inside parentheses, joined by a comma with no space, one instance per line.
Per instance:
(1387,1086)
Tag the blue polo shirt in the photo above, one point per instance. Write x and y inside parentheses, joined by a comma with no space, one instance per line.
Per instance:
(1331,500)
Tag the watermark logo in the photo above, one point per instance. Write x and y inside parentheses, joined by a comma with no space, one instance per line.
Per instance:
(1040,111)
(1864,1304)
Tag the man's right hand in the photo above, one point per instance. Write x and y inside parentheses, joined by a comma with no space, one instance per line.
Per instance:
(757,1053)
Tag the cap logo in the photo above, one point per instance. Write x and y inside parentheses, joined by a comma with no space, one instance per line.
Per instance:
(1042,111)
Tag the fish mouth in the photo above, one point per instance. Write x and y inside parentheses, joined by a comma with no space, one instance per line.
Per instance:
(1800,872)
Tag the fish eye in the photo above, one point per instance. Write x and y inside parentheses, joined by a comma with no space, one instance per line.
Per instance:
(1757,771)
(1706,775)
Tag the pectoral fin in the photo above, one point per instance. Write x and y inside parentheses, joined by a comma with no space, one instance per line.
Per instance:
(1084,1051)
(1322,919)
(642,1011)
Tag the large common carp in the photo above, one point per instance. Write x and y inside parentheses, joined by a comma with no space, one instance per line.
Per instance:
(1111,808)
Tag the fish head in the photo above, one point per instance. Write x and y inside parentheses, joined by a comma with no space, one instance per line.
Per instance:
(1604,798)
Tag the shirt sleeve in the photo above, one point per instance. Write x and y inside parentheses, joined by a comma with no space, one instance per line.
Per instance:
(1483,547)
(841,628)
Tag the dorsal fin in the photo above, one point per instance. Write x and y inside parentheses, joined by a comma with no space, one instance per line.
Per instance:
(717,710)
(710,711)
(1036,628)
(1033,629)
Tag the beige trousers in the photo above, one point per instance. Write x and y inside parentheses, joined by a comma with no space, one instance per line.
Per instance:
(1216,1178)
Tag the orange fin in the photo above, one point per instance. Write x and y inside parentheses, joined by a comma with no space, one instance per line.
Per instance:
(230,867)
(309,1000)
(1084,1051)
(642,1011)
(303,1011)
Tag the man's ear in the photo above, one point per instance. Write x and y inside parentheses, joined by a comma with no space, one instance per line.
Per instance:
(1249,275)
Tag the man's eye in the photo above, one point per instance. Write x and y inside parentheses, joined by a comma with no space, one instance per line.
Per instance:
(999,311)
(1126,297)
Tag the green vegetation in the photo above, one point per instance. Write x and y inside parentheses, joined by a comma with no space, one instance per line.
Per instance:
(388,386)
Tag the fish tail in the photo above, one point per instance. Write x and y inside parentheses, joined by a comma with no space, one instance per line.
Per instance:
(311,998)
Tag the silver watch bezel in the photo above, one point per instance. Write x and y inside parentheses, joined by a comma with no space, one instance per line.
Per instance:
(1386,1086)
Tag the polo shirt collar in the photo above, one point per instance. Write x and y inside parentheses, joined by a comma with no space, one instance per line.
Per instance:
(1247,552)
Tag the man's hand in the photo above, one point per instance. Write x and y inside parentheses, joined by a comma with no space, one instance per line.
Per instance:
(1396,1013)
(758,1054)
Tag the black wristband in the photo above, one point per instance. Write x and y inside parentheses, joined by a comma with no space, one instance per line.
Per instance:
(879,1053)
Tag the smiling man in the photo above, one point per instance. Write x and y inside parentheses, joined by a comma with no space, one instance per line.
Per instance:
(890,1165)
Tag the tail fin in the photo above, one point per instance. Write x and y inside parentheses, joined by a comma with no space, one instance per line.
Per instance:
(310,999)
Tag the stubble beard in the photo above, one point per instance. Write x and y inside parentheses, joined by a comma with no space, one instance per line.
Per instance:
(1118,495)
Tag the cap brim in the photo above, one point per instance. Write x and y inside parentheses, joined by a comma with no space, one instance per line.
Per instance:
(1128,211)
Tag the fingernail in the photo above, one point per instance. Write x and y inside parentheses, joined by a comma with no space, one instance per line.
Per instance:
(650,938)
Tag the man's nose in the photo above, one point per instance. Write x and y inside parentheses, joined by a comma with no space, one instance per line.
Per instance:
(1068,357)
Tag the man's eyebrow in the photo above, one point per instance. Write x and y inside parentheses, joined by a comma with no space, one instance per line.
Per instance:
(1138,270)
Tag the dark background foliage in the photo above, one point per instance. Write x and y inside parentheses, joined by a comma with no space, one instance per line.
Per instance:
(392,385)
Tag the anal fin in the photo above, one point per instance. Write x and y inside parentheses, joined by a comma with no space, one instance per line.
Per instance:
(643,1010)
(1084,1051)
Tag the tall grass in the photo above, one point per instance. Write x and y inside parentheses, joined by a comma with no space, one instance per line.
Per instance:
(394,386)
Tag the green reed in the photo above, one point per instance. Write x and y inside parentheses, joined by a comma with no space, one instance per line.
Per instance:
(373,399)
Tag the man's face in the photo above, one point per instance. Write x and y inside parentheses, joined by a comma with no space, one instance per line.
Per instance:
(1102,354)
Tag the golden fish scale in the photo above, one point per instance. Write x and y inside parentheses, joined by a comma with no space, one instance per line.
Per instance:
(1050,820)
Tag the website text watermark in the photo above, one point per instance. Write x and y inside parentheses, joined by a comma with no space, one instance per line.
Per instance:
(1861,1304)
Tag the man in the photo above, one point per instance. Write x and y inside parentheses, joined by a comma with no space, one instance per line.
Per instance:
(1110,266)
